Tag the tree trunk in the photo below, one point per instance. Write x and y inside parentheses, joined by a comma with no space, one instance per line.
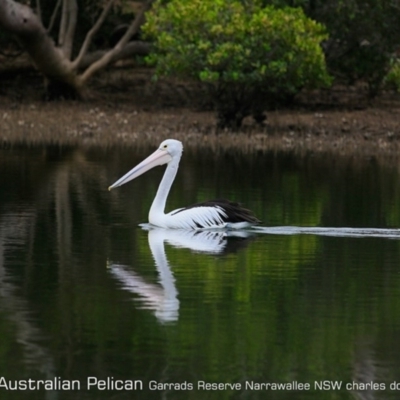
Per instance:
(26,26)
(54,62)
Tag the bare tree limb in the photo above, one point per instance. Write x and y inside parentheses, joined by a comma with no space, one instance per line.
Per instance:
(54,62)
(90,35)
(110,55)
(71,27)
(17,18)
(134,26)
(54,16)
(63,24)
(134,48)
(39,10)
(21,21)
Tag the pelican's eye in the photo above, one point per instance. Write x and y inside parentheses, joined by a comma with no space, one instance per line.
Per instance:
(165,146)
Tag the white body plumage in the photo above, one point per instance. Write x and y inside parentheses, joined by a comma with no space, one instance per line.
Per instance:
(216,214)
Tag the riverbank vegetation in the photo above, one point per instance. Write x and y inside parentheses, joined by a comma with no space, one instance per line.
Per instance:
(248,58)
(230,58)
(143,119)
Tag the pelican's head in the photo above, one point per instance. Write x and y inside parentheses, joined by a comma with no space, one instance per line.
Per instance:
(173,147)
(169,149)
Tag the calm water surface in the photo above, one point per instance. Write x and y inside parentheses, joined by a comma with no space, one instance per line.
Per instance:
(87,292)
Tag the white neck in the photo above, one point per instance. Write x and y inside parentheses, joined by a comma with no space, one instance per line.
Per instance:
(158,206)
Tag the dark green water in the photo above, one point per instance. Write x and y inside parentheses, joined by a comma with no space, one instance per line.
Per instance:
(87,295)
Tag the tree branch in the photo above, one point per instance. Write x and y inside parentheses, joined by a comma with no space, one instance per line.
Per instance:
(71,26)
(21,21)
(90,35)
(17,18)
(134,48)
(63,24)
(53,16)
(39,10)
(110,55)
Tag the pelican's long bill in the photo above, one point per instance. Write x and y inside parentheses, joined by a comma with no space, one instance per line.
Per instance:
(159,157)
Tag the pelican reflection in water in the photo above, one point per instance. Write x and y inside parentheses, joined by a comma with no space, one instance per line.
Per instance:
(162,298)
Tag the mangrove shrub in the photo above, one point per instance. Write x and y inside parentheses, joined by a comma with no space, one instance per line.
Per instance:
(249,56)
(364,36)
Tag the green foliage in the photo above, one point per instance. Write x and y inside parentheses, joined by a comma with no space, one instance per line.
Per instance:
(392,79)
(249,56)
(363,36)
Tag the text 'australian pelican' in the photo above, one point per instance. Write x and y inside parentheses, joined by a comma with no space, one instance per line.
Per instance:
(213,214)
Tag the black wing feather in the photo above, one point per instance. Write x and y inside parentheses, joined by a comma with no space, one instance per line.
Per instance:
(234,211)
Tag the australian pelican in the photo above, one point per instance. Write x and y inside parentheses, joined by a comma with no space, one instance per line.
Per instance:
(213,214)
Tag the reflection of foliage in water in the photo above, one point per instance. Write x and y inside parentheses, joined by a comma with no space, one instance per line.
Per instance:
(286,307)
